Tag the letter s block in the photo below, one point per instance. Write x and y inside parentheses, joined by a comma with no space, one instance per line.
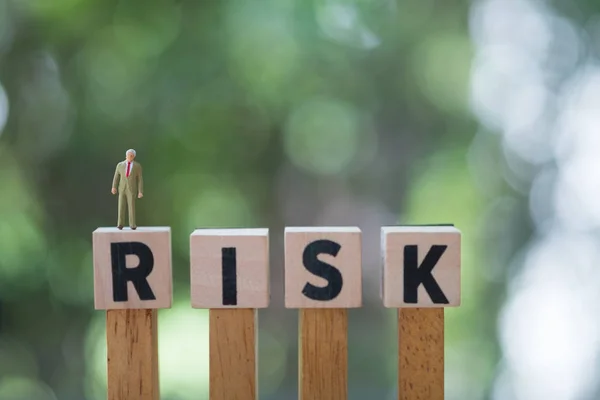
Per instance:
(421,266)
(323,267)
(132,268)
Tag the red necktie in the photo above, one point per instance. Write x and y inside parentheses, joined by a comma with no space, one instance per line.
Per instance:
(128,169)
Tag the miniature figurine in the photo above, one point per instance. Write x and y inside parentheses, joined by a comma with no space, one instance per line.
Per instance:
(128,177)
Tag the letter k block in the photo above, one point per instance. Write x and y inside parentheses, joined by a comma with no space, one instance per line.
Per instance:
(421,266)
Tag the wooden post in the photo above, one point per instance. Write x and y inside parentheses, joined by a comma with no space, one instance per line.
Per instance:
(421,276)
(421,354)
(132,342)
(233,367)
(230,276)
(132,280)
(323,361)
(323,279)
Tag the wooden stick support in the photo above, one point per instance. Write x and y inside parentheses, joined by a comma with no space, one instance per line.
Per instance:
(132,280)
(421,354)
(132,344)
(323,361)
(230,277)
(233,361)
(420,277)
(323,279)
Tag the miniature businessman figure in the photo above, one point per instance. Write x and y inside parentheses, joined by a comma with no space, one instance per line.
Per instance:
(128,177)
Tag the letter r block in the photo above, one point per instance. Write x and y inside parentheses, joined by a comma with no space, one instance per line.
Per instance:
(132,268)
(229,268)
(421,266)
(323,267)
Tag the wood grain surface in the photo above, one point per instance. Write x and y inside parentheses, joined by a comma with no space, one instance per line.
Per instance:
(160,278)
(421,354)
(347,260)
(446,271)
(323,369)
(132,342)
(233,370)
(250,278)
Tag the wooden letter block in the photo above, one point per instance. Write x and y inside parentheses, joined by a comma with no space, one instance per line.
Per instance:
(132,268)
(421,266)
(230,268)
(323,267)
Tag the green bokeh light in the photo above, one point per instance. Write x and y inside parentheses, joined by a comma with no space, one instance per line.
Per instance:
(322,136)
(50,8)
(19,388)
(70,272)
(114,75)
(22,242)
(263,51)
(150,32)
(17,359)
(441,65)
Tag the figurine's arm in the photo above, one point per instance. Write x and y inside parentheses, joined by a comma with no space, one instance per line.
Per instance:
(116,178)
(140,182)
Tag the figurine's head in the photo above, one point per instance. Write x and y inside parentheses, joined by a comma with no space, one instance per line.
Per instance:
(130,155)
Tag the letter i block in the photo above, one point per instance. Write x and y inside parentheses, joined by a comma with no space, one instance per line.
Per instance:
(323,267)
(230,268)
(421,266)
(132,268)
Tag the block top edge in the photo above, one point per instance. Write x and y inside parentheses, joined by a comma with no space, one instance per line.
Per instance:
(140,229)
(230,232)
(420,229)
(322,229)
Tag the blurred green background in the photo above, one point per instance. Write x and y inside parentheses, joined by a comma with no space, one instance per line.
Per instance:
(277,113)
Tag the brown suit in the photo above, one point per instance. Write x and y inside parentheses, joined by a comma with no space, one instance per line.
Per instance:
(128,189)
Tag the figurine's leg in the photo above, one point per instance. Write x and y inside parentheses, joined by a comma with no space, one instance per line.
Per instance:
(131,206)
(122,209)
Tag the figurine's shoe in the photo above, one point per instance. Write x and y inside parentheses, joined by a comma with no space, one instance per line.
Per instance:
(133,228)
(120,227)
